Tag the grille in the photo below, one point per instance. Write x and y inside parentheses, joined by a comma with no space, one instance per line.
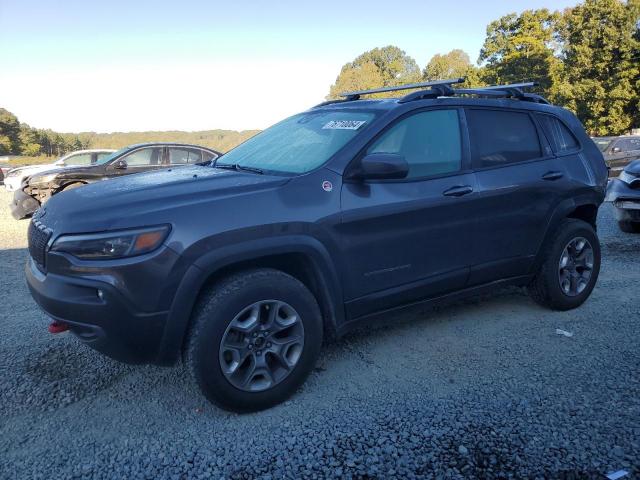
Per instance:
(39,236)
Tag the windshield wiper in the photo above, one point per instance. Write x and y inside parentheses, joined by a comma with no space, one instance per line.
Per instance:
(237,168)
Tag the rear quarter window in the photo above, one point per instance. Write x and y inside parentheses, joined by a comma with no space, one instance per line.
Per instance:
(559,136)
(502,137)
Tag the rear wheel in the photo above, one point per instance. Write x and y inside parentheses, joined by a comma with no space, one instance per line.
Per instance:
(629,227)
(254,340)
(570,267)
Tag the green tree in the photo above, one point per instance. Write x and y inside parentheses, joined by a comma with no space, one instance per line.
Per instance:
(522,47)
(9,133)
(454,64)
(29,141)
(601,56)
(380,67)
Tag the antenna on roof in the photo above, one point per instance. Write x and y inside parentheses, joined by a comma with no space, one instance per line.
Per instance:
(443,85)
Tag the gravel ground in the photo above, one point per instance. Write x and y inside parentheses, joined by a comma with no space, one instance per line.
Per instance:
(481,389)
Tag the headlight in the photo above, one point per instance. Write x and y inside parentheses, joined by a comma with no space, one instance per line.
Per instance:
(42,179)
(12,173)
(626,177)
(111,245)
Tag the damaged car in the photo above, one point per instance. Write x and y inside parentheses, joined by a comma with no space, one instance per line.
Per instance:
(624,193)
(618,152)
(16,176)
(41,186)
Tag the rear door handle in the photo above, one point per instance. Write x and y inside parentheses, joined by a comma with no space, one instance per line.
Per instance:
(552,175)
(458,191)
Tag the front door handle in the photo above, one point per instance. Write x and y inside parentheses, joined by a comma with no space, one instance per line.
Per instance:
(552,175)
(458,191)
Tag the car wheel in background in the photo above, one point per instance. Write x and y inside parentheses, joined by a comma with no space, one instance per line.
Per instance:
(570,267)
(629,227)
(255,338)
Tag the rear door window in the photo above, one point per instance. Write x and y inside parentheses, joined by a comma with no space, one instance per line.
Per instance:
(560,137)
(501,137)
(184,156)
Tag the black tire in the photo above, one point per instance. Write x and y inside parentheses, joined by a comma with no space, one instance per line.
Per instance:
(216,311)
(629,227)
(545,288)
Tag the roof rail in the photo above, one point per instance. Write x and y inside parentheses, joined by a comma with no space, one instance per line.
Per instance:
(510,90)
(443,85)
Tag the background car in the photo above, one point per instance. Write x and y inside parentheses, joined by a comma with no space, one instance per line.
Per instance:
(15,176)
(618,151)
(624,192)
(38,188)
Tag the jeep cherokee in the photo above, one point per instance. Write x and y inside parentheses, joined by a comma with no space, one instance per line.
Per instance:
(321,223)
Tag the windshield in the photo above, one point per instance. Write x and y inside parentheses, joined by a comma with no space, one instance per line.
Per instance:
(300,143)
(108,158)
(602,143)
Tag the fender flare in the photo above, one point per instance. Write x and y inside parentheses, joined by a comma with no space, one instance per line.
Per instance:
(204,267)
(560,212)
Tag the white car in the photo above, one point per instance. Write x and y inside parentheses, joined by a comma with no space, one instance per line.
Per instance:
(13,179)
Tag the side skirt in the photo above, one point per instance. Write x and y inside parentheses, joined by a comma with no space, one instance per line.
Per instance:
(378,317)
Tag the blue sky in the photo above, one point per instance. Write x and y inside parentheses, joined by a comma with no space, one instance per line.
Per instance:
(106,66)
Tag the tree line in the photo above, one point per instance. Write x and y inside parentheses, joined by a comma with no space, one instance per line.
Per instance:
(585,58)
(20,139)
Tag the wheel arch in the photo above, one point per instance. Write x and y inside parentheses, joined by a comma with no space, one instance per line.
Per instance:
(304,258)
(584,207)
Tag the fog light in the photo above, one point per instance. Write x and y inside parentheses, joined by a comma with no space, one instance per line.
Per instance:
(100,295)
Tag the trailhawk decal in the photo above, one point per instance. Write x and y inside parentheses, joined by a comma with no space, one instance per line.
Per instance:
(344,124)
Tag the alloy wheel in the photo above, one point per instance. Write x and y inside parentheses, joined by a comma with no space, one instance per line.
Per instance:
(261,345)
(575,266)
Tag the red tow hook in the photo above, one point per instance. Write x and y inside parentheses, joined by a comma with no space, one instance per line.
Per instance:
(58,327)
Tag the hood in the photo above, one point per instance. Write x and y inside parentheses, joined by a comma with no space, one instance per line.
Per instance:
(52,169)
(148,197)
(633,168)
(31,169)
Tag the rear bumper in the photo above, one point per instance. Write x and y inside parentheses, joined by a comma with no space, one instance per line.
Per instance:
(98,315)
(22,205)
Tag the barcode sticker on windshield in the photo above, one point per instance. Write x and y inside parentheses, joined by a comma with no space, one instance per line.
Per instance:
(344,124)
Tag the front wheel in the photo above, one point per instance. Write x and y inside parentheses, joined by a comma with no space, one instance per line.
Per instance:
(254,340)
(569,268)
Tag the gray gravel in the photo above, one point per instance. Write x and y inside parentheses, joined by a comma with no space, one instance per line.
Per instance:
(481,389)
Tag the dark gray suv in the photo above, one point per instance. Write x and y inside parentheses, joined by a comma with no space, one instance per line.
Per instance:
(321,223)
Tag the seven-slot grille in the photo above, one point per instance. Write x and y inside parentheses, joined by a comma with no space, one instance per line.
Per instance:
(39,236)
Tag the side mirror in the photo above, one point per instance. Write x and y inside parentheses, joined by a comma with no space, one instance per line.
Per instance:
(59,163)
(616,150)
(381,166)
(120,165)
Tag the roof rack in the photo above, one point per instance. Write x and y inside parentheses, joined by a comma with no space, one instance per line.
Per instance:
(443,88)
(513,90)
(441,85)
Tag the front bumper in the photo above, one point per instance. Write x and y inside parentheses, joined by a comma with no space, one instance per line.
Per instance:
(12,183)
(98,315)
(625,199)
(23,205)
